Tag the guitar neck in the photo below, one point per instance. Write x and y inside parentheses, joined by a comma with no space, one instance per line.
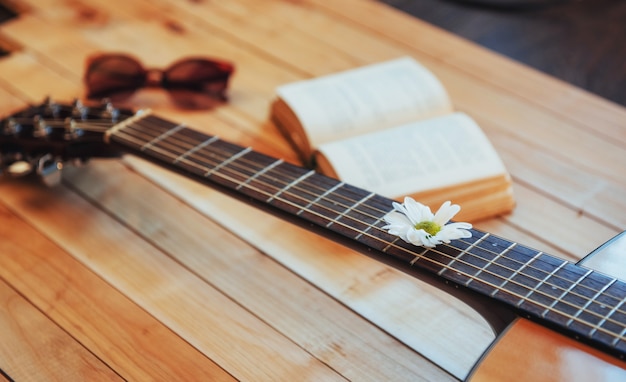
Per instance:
(579,302)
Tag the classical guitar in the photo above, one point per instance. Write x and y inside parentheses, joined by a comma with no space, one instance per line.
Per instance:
(564,313)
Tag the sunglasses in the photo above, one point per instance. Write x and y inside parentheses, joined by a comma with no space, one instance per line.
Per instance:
(192,82)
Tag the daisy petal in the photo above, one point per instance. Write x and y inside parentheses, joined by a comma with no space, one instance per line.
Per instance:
(417,236)
(404,219)
(446,212)
(415,211)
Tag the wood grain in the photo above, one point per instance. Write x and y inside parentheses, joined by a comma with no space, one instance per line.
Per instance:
(534,353)
(146,275)
(73,297)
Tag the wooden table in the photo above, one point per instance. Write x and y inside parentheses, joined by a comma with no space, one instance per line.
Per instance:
(128,271)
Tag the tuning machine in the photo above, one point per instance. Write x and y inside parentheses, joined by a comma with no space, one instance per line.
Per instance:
(47,167)
(40,127)
(11,127)
(49,170)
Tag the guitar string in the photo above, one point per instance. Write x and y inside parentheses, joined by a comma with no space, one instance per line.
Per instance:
(257,169)
(552,308)
(513,270)
(549,308)
(488,261)
(472,277)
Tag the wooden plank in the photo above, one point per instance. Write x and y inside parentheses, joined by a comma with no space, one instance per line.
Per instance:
(135,28)
(564,189)
(610,161)
(607,161)
(35,348)
(125,337)
(384,296)
(389,321)
(588,193)
(218,327)
(537,127)
(309,317)
(237,113)
(515,114)
(542,91)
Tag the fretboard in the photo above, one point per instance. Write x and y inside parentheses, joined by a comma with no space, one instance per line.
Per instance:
(579,302)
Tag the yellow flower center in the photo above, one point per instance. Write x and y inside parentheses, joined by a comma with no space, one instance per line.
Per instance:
(430,227)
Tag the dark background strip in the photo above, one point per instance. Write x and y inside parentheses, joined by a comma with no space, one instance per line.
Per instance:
(578,41)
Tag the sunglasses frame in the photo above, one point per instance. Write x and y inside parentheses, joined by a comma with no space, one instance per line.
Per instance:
(212,77)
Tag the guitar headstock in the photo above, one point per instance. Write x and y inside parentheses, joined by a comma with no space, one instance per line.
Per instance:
(43,138)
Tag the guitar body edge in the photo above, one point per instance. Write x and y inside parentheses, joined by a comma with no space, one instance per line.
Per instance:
(527,351)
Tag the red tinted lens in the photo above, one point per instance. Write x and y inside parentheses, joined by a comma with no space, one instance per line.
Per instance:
(113,76)
(193,99)
(199,75)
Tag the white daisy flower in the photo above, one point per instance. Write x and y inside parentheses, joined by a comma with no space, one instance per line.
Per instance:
(416,224)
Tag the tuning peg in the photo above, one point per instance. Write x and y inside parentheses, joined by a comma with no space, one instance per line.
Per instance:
(52,108)
(11,127)
(79,111)
(49,169)
(110,112)
(71,131)
(40,129)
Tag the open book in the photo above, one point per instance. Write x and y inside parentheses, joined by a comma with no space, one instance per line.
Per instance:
(390,128)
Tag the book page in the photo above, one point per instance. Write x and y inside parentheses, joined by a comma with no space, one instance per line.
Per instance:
(420,156)
(365,99)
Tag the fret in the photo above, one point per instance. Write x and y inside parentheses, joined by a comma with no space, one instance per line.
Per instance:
(147,129)
(612,304)
(337,202)
(360,234)
(227,161)
(130,138)
(350,208)
(163,153)
(435,259)
(142,138)
(510,279)
(583,297)
(320,197)
(541,283)
(195,148)
(295,188)
(215,153)
(560,295)
(368,218)
(545,288)
(340,211)
(475,263)
(278,180)
(463,252)
(587,305)
(288,186)
(259,173)
(142,114)
(550,308)
(162,136)
(491,263)
(417,257)
(606,326)
(619,338)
